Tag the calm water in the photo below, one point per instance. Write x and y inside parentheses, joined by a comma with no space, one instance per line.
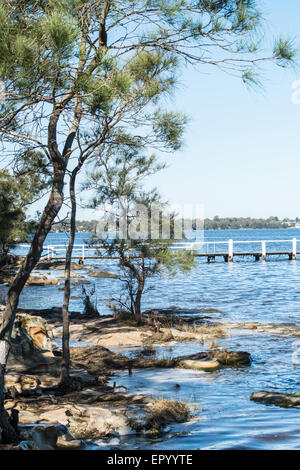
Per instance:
(224,416)
(245,290)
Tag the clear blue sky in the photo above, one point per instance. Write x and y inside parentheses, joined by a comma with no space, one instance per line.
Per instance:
(242,149)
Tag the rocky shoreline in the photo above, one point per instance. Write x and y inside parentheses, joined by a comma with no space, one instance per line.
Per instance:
(94,409)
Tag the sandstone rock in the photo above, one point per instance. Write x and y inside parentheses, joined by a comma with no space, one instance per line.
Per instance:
(103,274)
(64,442)
(48,437)
(92,331)
(83,421)
(38,331)
(32,346)
(95,423)
(38,335)
(42,281)
(58,265)
(72,274)
(27,445)
(80,282)
(233,358)
(25,385)
(208,366)
(225,358)
(285,400)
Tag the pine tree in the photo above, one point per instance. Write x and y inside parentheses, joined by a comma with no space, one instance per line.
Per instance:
(29,180)
(143,247)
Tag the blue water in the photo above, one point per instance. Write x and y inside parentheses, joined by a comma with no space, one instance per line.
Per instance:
(224,416)
(264,292)
(244,290)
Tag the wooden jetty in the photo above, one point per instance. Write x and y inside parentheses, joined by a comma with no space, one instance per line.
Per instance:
(211,250)
(258,255)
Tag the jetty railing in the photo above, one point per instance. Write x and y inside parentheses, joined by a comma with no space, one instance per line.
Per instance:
(228,249)
(260,249)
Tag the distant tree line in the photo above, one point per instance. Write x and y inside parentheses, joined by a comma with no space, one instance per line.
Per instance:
(234,223)
(81,226)
(217,223)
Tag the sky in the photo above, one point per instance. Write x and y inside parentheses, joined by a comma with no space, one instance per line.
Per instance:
(241,153)
(242,148)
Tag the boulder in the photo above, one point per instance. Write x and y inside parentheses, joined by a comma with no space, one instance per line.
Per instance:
(52,316)
(38,330)
(223,357)
(42,281)
(48,437)
(32,346)
(65,442)
(208,366)
(83,421)
(26,385)
(285,400)
(60,266)
(72,274)
(103,274)
(232,358)
(80,282)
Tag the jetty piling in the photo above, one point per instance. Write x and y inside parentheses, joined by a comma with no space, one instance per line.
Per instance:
(294,248)
(264,250)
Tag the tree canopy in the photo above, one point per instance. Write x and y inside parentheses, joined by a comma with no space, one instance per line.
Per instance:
(29,179)
(136,217)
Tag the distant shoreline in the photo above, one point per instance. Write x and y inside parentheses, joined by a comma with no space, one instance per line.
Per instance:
(251,228)
(208,229)
(217,223)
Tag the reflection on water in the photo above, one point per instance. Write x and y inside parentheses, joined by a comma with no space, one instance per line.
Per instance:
(225,418)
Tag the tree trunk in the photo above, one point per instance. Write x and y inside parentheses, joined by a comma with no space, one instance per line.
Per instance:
(7,432)
(50,212)
(64,384)
(140,278)
(138,299)
(137,304)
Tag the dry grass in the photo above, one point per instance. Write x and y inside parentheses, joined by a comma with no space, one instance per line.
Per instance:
(214,345)
(160,337)
(164,412)
(124,315)
(146,351)
(207,329)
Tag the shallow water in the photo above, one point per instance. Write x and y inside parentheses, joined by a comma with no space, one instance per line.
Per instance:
(224,416)
(245,290)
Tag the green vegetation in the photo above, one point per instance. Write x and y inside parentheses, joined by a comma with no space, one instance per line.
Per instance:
(18,190)
(141,257)
(81,226)
(217,223)
(234,223)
